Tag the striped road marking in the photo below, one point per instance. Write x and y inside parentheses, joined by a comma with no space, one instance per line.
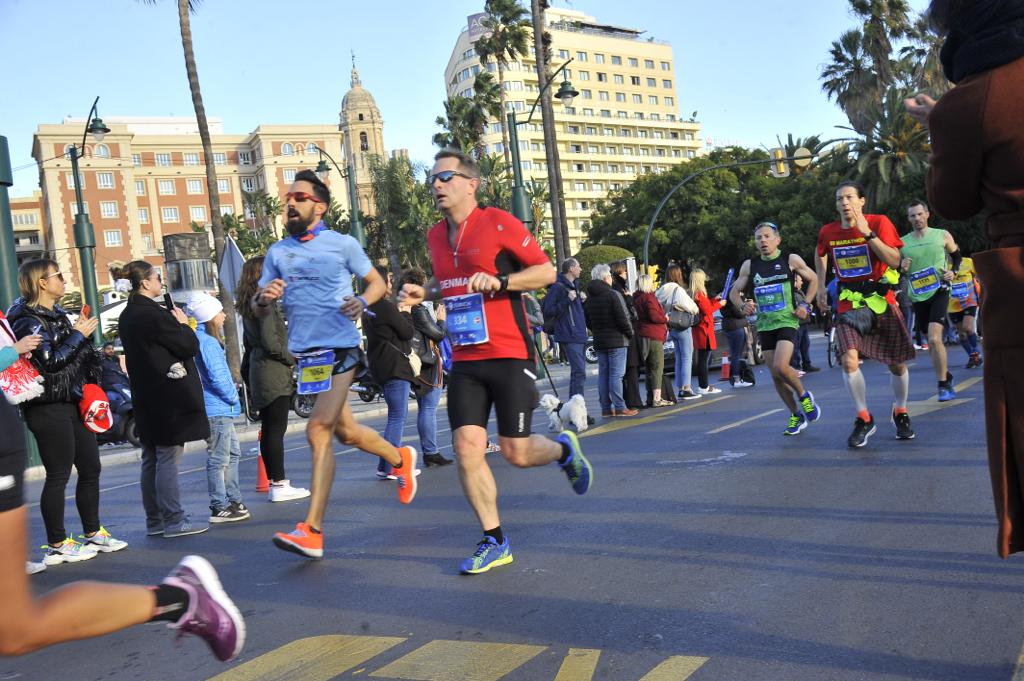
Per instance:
(630,422)
(737,424)
(320,658)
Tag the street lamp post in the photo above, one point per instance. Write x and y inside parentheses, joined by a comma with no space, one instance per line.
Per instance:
(520,201)
(322,171)
(85,235)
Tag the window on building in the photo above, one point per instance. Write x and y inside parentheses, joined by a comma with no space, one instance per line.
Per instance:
(598,187)
(670,117)
(625,132)
(144,215)
(602,95)
(606,113)
(638,99)
(105,180)
(652,99)
(598,58)
(633,62)
(588,112)
(515,85)
(163,159)
(311,148)
(602,77)
(580,186)
(244,158)
(166,187)
(576,148)
(595,167)
(101,151)
(611,151)
(669,101)
(169,214)
(578,167)
(526,165)
(249,184)
(71,180)
(227,210)
(629,168)
(665,66)
(652,82)
(622,114)
(287,149)
(220,158)
(136,160)
(190,158)
(563,54)
(616,60)
(641,133)
(593,149)
(74,207)
(108,209)
(627,151)
(620,96)
(634,80)
(197,213)
(140,187)
(586,94)
(584,75)
(591,130)
(687,135)
(364,142)
(147,242)
(677,153)
(659,152)
(667,84)
(648,63)
(573,129)
(194,186)
(690,153)
(112,238)
(618,79)
(581,56)
(655,117)
(223,186)
(658,134)
(289,175)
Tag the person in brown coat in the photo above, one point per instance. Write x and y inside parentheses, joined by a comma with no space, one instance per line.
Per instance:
(977,164)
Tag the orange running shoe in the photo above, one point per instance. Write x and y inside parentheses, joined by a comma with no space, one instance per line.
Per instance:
(302,540)
(406,475)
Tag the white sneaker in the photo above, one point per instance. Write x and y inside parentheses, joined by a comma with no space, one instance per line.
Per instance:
(283,491)
(710,390)
(103,542)
(741,384)
(32,568)
(69,551)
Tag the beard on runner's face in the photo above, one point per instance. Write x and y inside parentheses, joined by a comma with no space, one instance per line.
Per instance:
(296,222)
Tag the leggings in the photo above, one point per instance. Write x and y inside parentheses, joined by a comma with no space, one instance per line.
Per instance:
(64,441)
(703,360)
(273,424)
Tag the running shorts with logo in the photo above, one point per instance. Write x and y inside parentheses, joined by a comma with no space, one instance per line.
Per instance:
(507,384)
(770,339)
(12,458)
(931,311)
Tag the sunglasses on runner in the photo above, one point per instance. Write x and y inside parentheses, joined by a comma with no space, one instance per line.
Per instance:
(301,196)
(59,275)
(446,176)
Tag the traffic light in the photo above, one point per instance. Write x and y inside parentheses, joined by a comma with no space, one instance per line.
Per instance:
(779,167)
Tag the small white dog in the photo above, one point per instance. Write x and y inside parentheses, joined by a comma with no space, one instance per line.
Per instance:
(574,411)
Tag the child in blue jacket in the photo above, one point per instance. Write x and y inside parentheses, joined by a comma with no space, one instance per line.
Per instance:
(222,406)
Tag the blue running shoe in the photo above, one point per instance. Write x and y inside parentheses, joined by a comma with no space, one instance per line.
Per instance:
(577,468)
(488,554)
(946,393)
(796,423)
(812,412)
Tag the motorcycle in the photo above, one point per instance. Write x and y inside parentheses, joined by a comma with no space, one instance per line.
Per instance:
(124,429)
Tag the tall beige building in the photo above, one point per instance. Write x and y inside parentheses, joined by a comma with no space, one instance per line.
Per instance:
(147,177)
(625,121)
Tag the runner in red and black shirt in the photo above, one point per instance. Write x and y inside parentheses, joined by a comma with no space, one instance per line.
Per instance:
(483,260)
(862,248)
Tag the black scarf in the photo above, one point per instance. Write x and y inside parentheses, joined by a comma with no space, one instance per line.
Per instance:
(987,34)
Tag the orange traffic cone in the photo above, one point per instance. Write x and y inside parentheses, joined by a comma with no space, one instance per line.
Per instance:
(725,368)
(262,484)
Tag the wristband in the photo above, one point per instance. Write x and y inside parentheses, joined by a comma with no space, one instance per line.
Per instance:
(503,279)
(362,300)
(870,236)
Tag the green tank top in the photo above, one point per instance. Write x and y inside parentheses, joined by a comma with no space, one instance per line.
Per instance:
(927,263)
(772,283)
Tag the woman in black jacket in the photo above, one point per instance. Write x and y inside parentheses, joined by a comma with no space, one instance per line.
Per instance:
(608,320)
(67,361)
(429,329)
(389,334)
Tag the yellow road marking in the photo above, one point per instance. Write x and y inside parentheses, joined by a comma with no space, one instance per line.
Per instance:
(737,424)
(459,661)
(677,668)
(922,407)
(579,665)
(622,423)
(317,658)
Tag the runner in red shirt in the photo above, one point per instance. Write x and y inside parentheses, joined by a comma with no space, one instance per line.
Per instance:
(483,259)
(862,248)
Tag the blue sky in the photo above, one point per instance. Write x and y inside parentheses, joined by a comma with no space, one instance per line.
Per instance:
(748,67)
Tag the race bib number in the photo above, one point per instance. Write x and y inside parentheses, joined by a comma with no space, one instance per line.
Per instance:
(961,290)
(467,324)
(315,370)
(770,298)
(924,281)
(852,261)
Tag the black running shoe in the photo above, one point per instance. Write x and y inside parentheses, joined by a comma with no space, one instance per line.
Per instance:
(902,423)
(862,430)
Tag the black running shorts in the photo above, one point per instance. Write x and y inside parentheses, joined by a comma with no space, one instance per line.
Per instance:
(957,317)
(931,311)
(12,458)
(508,384)
(770,339)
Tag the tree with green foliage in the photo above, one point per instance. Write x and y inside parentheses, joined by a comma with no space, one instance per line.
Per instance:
(595,255)
(506,39)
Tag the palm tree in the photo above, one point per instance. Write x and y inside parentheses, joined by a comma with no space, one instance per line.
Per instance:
(539,195)
(895,147)
(487,99)
(185,9)
(920,60)
(851,80)
(884,21)
(495,188)
(462,122)
(509,36)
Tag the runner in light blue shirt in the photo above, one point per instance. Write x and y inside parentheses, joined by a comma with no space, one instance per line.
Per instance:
(311,271)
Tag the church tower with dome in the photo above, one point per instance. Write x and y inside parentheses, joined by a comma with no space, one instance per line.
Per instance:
(361,125)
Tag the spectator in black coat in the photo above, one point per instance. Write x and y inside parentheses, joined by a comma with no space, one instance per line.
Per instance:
(609,322)
(168,403)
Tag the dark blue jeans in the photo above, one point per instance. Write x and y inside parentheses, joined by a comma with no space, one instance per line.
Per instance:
(426,420)
(802,348)
(737,351)
(396,395)
(577,366)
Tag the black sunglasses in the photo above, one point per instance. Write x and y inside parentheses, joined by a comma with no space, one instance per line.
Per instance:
(446,176)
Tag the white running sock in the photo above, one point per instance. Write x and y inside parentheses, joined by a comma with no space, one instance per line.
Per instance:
(900,388)
(858,390)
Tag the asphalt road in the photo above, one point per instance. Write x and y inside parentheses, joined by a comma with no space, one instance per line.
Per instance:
(710,547)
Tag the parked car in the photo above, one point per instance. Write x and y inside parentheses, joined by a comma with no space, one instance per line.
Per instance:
(753,344)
